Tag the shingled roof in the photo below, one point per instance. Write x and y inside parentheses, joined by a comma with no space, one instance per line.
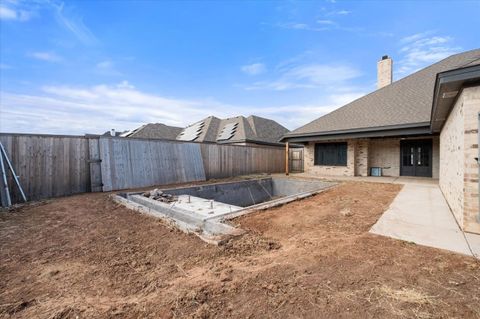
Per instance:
(154,130)
(253,129)
(405,102)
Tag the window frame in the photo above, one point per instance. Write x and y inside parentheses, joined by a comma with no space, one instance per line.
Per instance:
(339,159)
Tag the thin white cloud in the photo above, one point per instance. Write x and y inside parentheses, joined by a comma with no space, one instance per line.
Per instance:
(254,68)
(64,14)
(79,110)
(329,24)
(421,49)
(325,21)
(301,26)
(307,76)
(7,13)
(342,12)
(14,14)
(107,67)
(67,18)
(46,56)
(5,66)
(105,64)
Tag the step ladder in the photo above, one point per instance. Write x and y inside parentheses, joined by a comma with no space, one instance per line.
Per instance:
(6,200)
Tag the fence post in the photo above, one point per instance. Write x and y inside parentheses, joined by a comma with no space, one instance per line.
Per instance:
(287,160)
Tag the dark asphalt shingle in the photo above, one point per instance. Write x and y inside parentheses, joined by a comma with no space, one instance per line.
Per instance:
(252,128)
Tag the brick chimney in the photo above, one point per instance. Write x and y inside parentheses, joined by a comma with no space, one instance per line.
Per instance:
(384,71)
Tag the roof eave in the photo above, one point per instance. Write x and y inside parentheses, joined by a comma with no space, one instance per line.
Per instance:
(379,131)
(446,84)
(250,141)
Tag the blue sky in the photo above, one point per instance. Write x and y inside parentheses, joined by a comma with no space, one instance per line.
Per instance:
(78,67)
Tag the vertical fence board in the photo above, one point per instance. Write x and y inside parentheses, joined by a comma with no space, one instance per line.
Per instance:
(47,165)
(132,163)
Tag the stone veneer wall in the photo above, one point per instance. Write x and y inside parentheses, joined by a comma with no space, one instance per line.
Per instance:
(322,170)
(458,167)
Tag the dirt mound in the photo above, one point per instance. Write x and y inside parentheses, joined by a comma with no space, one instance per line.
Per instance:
(247,245)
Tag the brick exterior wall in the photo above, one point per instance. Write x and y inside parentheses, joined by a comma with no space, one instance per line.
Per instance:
(365,153)
(471,108)
(385,153)
(322,170)
(361,157)
(458,167)
(451,160)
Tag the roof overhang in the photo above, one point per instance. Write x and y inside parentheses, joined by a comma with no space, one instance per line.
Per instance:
(448,87)
(381,131)
(246,140)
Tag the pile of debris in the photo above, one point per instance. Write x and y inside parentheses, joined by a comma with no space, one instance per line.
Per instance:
(157,194)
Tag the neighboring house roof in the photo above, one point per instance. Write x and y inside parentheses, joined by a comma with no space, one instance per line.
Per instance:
(154,130)
(109,133)
(406,102)
(253,129)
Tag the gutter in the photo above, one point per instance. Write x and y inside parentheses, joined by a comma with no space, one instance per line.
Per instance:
(246,140)
(454,80)
(379,131)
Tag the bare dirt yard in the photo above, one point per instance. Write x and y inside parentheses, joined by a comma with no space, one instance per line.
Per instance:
(87,257)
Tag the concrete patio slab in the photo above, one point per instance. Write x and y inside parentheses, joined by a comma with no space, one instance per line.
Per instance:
(421,215)
(372,179)
(474,243)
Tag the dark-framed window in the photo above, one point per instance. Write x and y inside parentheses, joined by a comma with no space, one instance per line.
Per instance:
(332,154)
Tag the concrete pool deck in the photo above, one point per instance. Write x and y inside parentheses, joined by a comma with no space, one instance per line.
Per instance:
(421,215)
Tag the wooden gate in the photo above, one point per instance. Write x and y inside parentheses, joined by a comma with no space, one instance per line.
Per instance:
(295,160)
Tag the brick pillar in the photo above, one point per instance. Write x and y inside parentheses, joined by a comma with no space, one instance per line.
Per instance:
(361,157)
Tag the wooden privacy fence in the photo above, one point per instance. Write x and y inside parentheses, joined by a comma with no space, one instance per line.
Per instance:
(221,161)
(51,165)
(48,166)
(129,163)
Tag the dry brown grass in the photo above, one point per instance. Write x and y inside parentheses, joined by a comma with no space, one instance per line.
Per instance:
(410,295)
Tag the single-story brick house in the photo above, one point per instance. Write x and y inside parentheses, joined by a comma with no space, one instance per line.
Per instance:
(426,124)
